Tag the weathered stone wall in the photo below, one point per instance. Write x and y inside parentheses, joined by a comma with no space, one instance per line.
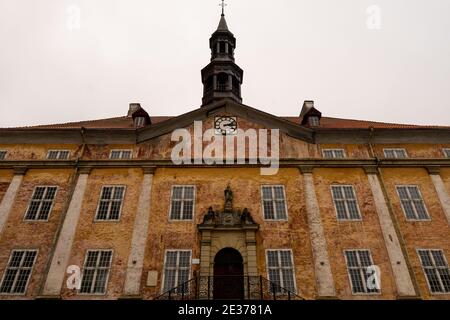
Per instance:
(346,235)
(38,151)
(246,184)
(20,234)
(115,235)
(433,234)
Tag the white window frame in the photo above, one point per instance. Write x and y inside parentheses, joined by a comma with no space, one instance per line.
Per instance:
(139,121)
(434,268)
(182,207)
(93,279)
(345,203)
(121,152)
(163,290)
(15,279)
(40,204)
(279,263)
(313,121)
(273,202)
(395,151)
(3,154)
(333,152)
(58,154)
(379,292)
(446,152)
(109,207)
(421,197)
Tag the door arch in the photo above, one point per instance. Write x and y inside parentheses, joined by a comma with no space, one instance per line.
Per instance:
(228,275)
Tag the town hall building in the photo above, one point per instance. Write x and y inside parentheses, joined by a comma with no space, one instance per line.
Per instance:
(101,210)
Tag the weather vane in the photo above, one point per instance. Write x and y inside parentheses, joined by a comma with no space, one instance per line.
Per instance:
(223,5)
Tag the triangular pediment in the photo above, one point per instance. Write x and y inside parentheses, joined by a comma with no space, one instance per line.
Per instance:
(229,107)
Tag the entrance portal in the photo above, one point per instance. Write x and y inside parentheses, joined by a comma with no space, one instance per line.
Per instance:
(228,275)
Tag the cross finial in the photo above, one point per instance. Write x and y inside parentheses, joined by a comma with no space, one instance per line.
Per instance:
(223,5)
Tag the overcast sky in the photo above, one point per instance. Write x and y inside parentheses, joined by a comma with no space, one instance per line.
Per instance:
(54,69)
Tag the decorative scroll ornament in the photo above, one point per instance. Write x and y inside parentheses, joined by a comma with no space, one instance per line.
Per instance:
(228,217)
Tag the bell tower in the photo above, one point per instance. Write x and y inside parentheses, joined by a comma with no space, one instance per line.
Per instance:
(222,77)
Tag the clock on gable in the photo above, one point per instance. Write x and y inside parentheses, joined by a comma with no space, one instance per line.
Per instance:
(225,125)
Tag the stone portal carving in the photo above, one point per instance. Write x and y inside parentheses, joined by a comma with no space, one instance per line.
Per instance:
(228,217)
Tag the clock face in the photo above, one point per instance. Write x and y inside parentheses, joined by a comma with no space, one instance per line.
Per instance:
(225,125)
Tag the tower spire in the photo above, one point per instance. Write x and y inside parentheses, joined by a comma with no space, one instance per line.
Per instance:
(223,5)
(222,78)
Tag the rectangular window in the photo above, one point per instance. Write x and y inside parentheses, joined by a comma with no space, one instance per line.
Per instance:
(177,267)
(110,204)
(274,202)
(41,203)
(412,203)
(18,271)
(395,153)
(182,203)
(58,154)
(357,263)
(345,203)
(280,268)
(120,154)
(2,154)
(446,153)
(436,270)
(333,153)
(97,265)
(314,121)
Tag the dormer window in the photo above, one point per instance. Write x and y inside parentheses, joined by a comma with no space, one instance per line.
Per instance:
(139,122)
(313,121)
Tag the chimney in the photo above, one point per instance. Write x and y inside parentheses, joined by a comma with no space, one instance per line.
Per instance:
(307,105)
(133,108)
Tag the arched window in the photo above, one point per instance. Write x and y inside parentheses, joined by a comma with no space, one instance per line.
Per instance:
(222,80)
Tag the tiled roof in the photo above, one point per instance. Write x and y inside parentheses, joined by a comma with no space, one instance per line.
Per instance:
(325,123)
(338,123)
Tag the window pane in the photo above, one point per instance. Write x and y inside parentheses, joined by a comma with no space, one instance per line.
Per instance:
(272,259)
(188,207)
(281,209)
(348,191)
(86,282)
(288,279)
(364,258)
(357,281)
(268,210)
(337,192)
(279,194)
(267,193)
(341,210)
(408,208)
(438,258)
(402,192)
(189,193)
(433,280)
(353,209)
(106,193)
(425,258)
(352,260)
(285,257)
(177,193)
(420,209)
(8,280)
(176,210)
(91,260)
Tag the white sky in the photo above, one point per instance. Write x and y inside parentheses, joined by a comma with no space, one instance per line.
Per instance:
(152,52)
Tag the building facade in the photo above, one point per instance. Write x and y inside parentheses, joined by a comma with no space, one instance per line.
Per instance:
(101,209)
